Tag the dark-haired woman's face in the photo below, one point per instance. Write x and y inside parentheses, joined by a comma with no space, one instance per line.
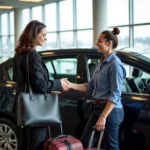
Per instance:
(41,38)
(102,44)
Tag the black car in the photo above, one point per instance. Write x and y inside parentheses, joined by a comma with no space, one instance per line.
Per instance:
(78,65)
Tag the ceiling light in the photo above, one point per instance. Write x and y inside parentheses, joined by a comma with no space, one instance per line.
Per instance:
(6,7)
(30,0)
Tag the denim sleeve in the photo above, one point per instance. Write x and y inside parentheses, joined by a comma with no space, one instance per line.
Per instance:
(116,76)
(89,86)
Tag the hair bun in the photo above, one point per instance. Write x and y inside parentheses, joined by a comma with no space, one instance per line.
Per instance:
(116,30)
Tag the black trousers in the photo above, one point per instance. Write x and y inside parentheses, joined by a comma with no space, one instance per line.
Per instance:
(36,137)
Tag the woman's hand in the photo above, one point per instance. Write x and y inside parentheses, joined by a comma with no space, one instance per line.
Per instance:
(65,84)
(100,124)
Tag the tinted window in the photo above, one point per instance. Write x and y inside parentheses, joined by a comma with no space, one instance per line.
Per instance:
(65,66)
(62,68)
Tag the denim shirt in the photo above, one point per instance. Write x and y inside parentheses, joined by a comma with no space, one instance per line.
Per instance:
(106,82)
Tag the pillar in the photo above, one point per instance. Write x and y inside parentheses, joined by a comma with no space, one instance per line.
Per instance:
(99,18)
(18,23)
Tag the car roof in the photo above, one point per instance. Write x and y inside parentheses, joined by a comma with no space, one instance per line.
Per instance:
(93,51)
(128,51)
(89,50)
(136,51)
(68,51)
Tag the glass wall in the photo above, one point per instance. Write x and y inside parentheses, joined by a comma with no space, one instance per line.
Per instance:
(65,25)
(70,24)
(131,16)
(6,35)
(64,21)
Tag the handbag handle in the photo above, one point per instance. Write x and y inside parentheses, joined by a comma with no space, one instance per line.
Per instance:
(28,81)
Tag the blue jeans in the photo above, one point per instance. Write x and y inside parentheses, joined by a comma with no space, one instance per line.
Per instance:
(113,122)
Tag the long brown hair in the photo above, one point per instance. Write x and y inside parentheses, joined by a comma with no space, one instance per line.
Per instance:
(27,39)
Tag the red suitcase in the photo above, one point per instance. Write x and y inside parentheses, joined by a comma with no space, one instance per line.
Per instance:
(63,142)
(99,141)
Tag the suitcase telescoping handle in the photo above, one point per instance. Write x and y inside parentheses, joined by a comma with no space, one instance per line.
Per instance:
(92,137)
(49,130)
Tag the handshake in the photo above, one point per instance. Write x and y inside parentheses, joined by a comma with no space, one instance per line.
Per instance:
(66,85)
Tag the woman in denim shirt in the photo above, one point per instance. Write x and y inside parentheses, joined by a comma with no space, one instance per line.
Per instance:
(106,85)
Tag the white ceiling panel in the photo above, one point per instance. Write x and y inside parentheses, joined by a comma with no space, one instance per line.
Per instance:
(18,4)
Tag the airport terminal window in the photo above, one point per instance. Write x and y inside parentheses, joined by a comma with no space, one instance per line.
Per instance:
(26,14)
(50,15)
(142,36)
(12,44)
(6,34)
(11,27)
(84,10)
(66,39)
(5,46)
(4,24)
(129,15)
(142,15)
(64,29)
(51,42)
(37,13)
(118,12)
(123,37)
(83,38)
(66,19)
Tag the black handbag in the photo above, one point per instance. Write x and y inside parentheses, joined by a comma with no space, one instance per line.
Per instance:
(37,109)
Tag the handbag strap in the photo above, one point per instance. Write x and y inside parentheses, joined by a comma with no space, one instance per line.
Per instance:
(28,81)
(27,74)
(28,77)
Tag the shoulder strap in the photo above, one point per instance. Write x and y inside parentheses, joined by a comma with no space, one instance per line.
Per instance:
(27,83)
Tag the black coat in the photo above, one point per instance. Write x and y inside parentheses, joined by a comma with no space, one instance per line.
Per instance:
(38,73)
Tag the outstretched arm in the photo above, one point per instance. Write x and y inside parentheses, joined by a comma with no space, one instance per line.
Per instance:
(77,87)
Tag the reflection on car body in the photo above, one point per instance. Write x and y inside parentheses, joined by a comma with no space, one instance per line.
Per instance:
(77,65)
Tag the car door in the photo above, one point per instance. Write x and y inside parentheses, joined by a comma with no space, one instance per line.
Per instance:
(64,66)
(136,102)
(7,87)
(135,128)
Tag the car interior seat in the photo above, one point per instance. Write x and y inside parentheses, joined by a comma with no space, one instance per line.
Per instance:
(125,86)
(136,83)
(91,68)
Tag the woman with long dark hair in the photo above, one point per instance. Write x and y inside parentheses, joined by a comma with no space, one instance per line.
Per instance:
(34,35)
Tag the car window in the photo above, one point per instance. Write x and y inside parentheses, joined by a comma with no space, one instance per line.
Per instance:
(91,65)
(62,68)
(65,66)
(49,66)
(135,80)
(10,73)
